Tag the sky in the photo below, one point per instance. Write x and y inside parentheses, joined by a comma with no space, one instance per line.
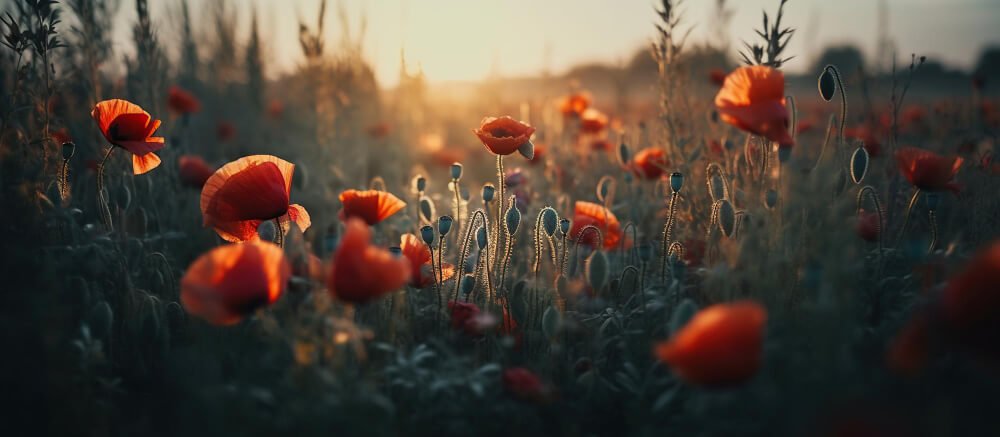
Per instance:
(469,40)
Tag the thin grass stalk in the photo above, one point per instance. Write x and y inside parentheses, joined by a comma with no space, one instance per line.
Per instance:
(102,201)
(906,216)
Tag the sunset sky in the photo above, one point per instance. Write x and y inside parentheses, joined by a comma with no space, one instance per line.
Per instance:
(468,39)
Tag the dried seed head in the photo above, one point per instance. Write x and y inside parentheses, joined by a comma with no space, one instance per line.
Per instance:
(481,239)
(527,150)
(827,83)
(676,182)
(727,217)
(488,192)
(550,220)
(468,284)
(444,224)
(267,231)
(859,164)
(564,225)
(456,171)
(770,198)
(427,234)
(513,220)
(426,208)
(68,149)
(598,270)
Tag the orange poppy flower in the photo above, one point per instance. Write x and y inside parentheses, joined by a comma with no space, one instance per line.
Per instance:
(574,104)
(372,206)
(972,300)
(503,135)
(126,125)
(361,272)
(248,191)
(753,99)
(927,170)
(194,171)
(593,121)
(650,163)
(181,102)
(230,282)
(721,345)
(419,255)
(587,214)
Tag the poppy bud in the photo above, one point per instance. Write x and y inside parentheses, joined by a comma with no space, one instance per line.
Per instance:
(717,187)
(624,154)
(456,171)
(266,230)
(604,187)
(676,182)
(468,284)
(420,183)
(770,198)
(933,200)
(597,270)
(859,164)
(726,217)
(827,83)
(513,220)
(527,150)
(549,220)
(564,225)
(426,208)
(427,234)
(444,225)
(488,192)
(481,239)
(68,150)
(396,250)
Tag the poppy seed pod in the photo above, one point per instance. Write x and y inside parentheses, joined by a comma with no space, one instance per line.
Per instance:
(676,182)
(426,208)
(549,220)
(933,200)
(481,239)
(597,270)
(456,171)
(717,187)
(859,164)
(527,150)
(468,284)
(427,234)
(488,192)
(266,230)
(770,198)
(420,183)
(624,154)
(68,149)
(564,225)
(727,217)
(444,224)
(513,220)
(827,83)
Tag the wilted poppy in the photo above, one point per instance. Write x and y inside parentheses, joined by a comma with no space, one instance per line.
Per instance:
(753,99)
(868,226)
(372,206)
(362,272)
(503,135)
(182,102)
(971,302)
(248,191)
(230,282)
(419,256)
(524,384)
(574,104)
(927,170)
(593,121)
(591,214)
(721,345)
(126,125)
(193,170)
(650,163)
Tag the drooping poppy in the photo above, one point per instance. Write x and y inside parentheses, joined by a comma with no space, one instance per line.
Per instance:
(193,170)
(419,255)
(503,135)
(591,214)
(182,102)
(524,384)
(927,170)
(720,346)
(248,191)
(362,272)
(868,226)
(971,302)
(372,206)
(230,282)
(753,99)
(463,317)
(593,121)
(650,163)
(573,105)
(126,125)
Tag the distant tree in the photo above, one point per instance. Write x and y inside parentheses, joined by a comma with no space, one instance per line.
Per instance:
(989,62)
(846,58)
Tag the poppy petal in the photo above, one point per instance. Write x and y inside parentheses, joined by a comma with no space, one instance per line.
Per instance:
(144,163)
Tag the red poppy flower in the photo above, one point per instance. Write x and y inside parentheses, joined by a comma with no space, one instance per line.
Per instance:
(593,121)
(539,157)
(650,163)
(601,145)
(971,302)
(694,252)
(194,171)
(126,125)
(419,256)
(587,214)
(804,126)
(275,109)
(574,104)
(927,170)
(463,317)
(524,384)
(225,131)
(867,135)
(362,272)
(181,102)
(60,136)
(503,135)
(908,352)
(717,76)
(372,206)
(248,191)
(378,130)
(715,147)
(720,346)
(230,282)
(753,99)
(868,226)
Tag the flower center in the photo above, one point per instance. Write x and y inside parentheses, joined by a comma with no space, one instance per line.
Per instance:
(501,132)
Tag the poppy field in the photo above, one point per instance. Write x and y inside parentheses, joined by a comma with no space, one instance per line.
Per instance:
(696,243)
